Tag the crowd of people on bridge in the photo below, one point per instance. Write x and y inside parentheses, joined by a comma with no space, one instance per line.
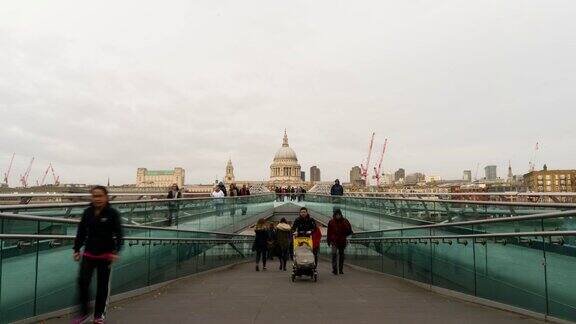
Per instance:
(290,193)
(276,240)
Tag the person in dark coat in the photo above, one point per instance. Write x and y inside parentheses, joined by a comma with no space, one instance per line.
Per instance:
(339,229)
(244,192)
(234,192)
(223,188)
(283,240)
(173,206)
(337,189)
(261,243)
(100,233)
(304,224)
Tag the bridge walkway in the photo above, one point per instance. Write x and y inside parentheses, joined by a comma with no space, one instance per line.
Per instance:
(240,295)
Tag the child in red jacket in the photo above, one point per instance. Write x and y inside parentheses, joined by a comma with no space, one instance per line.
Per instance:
(316,238)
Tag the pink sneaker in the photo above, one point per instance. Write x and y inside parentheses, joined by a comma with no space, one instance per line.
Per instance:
(99,320)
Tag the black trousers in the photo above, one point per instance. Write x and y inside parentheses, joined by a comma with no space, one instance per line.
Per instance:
(87,267)
(261,254)
(338,258)
(284,255)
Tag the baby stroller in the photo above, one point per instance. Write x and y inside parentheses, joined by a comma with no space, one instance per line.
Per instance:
(304,264)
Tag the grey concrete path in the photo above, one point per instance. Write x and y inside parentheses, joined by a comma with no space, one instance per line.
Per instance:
(241,295)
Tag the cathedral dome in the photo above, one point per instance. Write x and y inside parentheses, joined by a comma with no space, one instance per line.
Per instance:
(285,169)
(285,152)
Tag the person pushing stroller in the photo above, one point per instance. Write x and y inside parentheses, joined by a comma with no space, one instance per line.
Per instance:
(304,258)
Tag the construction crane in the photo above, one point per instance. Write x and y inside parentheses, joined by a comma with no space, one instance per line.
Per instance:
(24,178)
(7,173)
(377,170)
(364,167)
(56,178)
(41,183)
(532,163)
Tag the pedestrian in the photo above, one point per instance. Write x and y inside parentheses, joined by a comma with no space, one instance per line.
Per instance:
(316,238)
(304,224)
(244,193)
(218,196)
(283,240)
(223,188)
(260,245)
(100,233)
(173,206)
(233,192)
(337,189)
(339,229)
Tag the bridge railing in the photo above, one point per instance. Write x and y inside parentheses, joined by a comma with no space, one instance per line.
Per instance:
(38,275)
(188,213)
(375,213)
(524,262)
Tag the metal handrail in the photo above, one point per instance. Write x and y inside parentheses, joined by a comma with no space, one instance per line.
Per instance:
(467,236)
(506,194)
(59,220)
(469,202)
(480,221)
(126,202)
(128,238)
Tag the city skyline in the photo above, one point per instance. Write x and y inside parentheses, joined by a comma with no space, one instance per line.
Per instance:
(451,85)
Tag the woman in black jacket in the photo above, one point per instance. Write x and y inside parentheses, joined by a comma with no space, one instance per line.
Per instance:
(100,233)
(261,243)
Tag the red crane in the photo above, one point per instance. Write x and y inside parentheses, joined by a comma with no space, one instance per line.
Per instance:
(377,170)
(56,178)
(24,178)
(364,168)
(7,173)
(45,174)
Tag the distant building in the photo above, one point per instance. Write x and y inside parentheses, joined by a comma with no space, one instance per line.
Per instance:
(551,181)
(356,177)
(491,172)
(303,175)
(414,178)
(387,179)
(315,174)
(229,178)
(467,177)
(400,174)
(285,169)
(510,177)
(159,178)
(433,178)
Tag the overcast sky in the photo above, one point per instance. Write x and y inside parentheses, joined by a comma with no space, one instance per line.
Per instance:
(100,88)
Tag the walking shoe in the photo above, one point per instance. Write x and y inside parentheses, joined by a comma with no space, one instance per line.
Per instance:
(257,268)
(99,320)
(80,319)
(334,272)
(341,272)
(263,268)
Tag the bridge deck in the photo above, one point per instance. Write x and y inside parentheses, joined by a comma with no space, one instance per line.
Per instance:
(241,295)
